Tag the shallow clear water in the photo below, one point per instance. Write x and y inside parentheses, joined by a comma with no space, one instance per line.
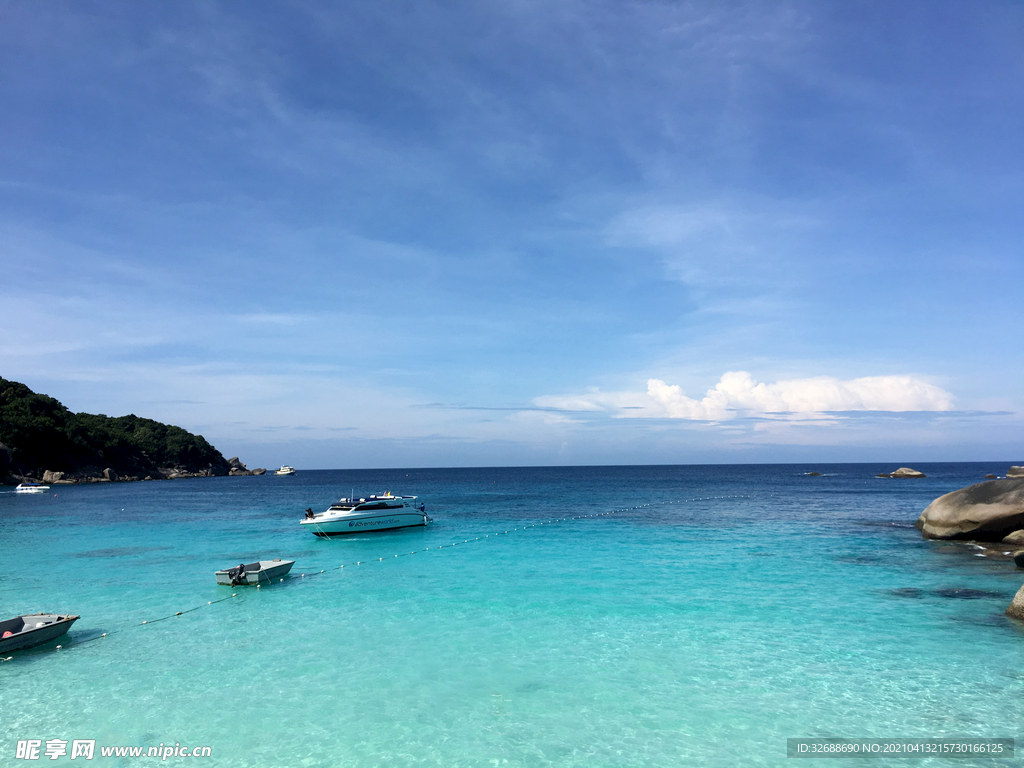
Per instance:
(741,607)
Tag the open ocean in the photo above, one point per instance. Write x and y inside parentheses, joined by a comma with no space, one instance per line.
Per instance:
(720,611)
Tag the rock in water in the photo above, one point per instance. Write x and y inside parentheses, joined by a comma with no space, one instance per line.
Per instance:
(907,472)
(1015,472)
(1017,537)
(990,477)
(986,511)
(1018,558)
(1016,609)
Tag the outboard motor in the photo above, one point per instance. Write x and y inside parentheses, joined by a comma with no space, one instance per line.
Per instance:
(237,575)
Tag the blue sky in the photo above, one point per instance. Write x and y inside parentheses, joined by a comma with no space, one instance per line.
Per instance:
(464,233)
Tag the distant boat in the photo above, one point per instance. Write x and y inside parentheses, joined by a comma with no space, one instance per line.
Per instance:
(31,488)
(254,573)
(34,629)
(376,513)
(285,471)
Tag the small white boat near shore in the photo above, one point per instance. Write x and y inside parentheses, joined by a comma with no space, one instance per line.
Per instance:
(254,573)
(285,471)
(31,488)
(374,513)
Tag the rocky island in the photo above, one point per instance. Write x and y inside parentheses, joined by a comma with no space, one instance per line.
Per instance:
(41,440)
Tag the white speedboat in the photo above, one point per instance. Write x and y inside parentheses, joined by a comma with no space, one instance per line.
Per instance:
(31,488)
(285,471)
(374,513)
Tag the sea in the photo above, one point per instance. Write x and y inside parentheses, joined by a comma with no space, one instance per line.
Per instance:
(547,616)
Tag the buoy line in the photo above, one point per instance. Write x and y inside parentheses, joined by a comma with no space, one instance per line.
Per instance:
(332,569)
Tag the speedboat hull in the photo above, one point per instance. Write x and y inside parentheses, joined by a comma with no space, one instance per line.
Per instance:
(32,630)
(385,512)
(255,573)
(31,488)
(340,525)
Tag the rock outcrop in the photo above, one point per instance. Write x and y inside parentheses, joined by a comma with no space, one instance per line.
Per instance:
(1017,537)
(986,511)
(907,472)
(1016,609)
(259,471)
(1015,472)
(237,468)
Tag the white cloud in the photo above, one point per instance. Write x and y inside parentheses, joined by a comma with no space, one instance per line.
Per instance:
(738,393)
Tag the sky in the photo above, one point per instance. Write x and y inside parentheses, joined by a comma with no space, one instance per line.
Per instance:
(430,234)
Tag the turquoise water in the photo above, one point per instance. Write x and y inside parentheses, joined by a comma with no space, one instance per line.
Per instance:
(741,607)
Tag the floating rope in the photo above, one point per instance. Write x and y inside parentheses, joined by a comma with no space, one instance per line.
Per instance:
(400,554)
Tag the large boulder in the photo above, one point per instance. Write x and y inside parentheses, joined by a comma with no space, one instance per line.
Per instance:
(987,511)
(1017,537)
(1016,609)
(1015,472)
(50,476)
(906,472)
(234,463)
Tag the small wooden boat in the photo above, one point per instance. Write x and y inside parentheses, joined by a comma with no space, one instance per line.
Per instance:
(34,629)
(254,573)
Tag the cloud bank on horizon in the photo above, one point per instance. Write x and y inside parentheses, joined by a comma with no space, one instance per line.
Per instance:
(737,393)
(362,234)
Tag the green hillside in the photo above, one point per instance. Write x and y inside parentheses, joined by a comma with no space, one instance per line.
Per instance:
(41,434)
